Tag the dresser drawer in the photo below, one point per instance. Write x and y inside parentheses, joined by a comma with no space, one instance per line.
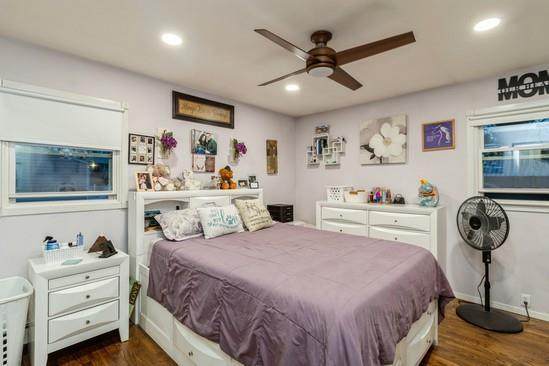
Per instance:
(83,277)
(195,202)
(345,214)
(72,324)
(74,298)
(345,228)
(400,220)
(404,236)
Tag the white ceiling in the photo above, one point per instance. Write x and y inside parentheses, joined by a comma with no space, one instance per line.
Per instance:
(222,55)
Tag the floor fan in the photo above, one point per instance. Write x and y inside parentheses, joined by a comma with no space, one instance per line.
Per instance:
(484,225)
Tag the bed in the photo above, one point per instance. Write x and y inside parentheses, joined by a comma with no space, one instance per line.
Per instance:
(290,295)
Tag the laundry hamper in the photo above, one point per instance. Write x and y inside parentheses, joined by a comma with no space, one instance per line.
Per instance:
(15,293)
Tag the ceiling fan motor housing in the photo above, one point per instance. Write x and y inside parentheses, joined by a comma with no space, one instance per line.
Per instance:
(323,60)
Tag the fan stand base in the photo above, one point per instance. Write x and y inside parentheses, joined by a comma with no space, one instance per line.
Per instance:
(493,320)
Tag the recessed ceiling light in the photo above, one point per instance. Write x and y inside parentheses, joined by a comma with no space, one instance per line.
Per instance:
(171,39)
(487,24)
(292,87)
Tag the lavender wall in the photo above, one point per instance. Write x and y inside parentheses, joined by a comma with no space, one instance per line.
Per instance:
(149,108)
(520,266)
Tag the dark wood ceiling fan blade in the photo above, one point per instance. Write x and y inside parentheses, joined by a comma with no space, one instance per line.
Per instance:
(342,77)
(370,49)
(283,77)
(284,44)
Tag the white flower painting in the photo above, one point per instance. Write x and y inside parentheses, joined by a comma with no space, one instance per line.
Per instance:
(383,141)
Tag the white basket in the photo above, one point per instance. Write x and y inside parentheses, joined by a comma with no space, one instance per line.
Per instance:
(358,197)
(59,255)
(15,293)
(336,193)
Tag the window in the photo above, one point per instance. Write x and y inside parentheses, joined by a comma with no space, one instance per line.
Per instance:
(512,155)
(58,173)
(60,152)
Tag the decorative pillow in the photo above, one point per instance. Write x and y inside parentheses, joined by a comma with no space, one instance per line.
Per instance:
(217,221)
(180,224)
(254,214)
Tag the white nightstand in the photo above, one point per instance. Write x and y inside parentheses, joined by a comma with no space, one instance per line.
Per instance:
(76,302)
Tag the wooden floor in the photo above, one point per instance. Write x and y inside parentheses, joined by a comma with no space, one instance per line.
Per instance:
(459,344)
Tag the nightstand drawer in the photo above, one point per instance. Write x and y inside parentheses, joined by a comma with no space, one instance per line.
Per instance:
(83,277)
(400,220)
(76,323)
(79,297)
(344,214)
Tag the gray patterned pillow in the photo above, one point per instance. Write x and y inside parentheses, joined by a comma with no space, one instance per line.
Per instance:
(254,214)
(180,224)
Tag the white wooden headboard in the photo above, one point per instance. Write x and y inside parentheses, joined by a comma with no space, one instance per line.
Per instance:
(139,241)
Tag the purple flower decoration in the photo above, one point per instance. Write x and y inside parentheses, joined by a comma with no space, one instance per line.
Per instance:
(168,141)
(241,148)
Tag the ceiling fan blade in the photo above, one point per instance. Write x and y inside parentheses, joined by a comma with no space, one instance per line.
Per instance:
(283,77)
(370,49)
(284,44)
(341,76)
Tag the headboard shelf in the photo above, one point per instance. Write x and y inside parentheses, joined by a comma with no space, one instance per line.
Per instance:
(139,240)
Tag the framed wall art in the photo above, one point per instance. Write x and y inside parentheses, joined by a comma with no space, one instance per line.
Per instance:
(203,143)
(140,149)
(438,135)
(272,157)
(203,163)
(383,141)
(190,108)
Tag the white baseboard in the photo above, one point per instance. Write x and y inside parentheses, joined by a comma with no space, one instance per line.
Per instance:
(504,307)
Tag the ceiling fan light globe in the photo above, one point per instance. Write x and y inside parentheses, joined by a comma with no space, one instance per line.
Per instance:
(320,71)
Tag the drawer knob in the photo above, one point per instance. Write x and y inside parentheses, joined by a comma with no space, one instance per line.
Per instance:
(396,238)
(340,230)
(191,354)
(88,296)
(88,322)
(396,221)
(340,215)
(87,277)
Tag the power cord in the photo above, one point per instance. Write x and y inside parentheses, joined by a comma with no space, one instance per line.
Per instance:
(525,303)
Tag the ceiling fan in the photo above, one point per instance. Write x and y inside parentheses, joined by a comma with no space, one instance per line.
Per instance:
(323,61)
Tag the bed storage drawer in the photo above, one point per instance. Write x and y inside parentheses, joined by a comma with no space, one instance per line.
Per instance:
(345,214)
(345,228)
(405,236)
(422,334)
(76,323)
(79,297)
(199,350)
(83,277)
(400,220)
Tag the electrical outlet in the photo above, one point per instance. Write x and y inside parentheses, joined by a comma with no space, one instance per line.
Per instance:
(526,298)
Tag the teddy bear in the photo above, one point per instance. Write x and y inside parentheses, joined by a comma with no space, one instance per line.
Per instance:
(161,178)
(226,175)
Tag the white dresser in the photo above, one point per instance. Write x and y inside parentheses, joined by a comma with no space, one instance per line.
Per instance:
(75,302)
(412,224)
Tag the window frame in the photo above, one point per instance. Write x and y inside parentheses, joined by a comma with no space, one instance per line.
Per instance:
(476,121)
(117,196)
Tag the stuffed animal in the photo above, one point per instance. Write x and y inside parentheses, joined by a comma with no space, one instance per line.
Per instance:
(161,177)
(428,194)
(189,183)
(226,175)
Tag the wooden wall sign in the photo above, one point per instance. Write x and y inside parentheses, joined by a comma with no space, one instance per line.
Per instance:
(190,108)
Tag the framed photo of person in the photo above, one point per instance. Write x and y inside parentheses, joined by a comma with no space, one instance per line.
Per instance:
(438,135)
(253,183)
(242,183)
(143,182)
(203,143)
(140,149)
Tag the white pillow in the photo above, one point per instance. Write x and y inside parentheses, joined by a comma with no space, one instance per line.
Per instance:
(254,214)
(180,224)
(217,221)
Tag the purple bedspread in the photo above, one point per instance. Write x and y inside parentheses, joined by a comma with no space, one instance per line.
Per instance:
(289,295)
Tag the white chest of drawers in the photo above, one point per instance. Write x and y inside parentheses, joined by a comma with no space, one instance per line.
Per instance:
(411,224)
(76,302)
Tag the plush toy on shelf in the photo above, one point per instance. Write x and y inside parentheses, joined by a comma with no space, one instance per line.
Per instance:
(190,184)
(428,194)
(226,175)
(162,180)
